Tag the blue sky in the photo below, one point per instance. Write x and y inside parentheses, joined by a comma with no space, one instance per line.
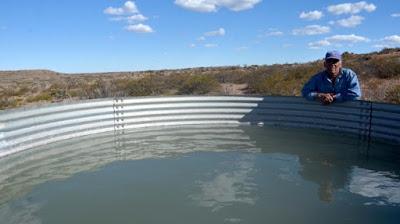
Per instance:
(119,35)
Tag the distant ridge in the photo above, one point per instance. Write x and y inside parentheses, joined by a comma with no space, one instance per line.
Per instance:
(379,74)
(349,57)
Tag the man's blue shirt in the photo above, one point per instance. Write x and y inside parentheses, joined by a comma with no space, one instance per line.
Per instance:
(346,86)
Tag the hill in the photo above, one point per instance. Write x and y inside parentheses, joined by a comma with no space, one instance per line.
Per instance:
(379,74)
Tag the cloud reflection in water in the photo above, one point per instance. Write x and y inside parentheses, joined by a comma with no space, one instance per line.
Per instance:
(382,185)
(229,187)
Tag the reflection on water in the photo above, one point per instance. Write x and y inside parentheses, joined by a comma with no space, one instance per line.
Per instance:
(21,212)
(228,187)
(332,161)
(382,185)
(209,174)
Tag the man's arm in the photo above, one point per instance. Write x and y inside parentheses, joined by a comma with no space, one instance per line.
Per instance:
(352,90)
(309,90)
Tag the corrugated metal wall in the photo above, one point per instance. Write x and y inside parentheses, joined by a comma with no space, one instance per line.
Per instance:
(22,129)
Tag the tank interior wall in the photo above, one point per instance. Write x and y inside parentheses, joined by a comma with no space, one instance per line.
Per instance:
(24,128)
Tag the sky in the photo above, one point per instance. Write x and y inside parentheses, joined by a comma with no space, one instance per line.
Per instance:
(74,36)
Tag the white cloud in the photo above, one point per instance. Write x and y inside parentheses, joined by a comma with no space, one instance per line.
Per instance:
(210,45)
(311,30)
(338,40)
(270,33)
(139,28)
(214,5)
(346,39)
(130,19)
(395,15)
(351,8)
(352,21)
(389,41)
(312,15)
(198,5)
(287,45)
(243,48)
(393,39)
(137,17)
(118,18)
(382,46)
(192,45)
(238,5)
(128,8)
(319,44)
(273,33)
(219,32)
(114,11)
(130,14)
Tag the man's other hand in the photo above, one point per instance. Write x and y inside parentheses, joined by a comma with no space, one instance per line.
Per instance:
(326,98)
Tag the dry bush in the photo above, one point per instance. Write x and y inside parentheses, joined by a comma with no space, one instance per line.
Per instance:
(374,66)
(283,82)
(8,98)
(199,84)
(384,67)
(393,95)
(57,91)
(278,85)
(174,81)
(21,90)
(8,102)
(44,96)
(389,50)
(237,76)
(97,88)
(146,86)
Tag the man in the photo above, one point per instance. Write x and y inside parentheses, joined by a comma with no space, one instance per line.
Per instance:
(334,83)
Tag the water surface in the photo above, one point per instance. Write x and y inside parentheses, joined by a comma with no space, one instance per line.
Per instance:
(204,174)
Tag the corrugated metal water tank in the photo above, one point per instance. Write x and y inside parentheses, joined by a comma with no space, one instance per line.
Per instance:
(25,128)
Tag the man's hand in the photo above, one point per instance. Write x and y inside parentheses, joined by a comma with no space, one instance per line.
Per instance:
(326,98)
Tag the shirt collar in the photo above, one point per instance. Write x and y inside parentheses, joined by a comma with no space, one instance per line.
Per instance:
(337,78)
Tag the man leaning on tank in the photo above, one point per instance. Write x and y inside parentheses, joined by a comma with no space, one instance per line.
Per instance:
(334,84)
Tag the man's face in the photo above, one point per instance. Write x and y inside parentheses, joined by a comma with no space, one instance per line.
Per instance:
(333,66)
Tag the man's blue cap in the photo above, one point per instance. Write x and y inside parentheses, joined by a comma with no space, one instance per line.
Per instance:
(333,55)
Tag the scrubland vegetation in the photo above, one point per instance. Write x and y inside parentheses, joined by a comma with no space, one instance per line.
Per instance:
(379,74)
